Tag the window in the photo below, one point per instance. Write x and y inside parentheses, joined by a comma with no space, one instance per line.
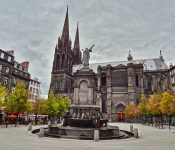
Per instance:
(103,80)
(0,67)
(5,81)
(137,81)
(2,55)
(32,97)
(31,89)
(7,70)
(37,91)
(9,59)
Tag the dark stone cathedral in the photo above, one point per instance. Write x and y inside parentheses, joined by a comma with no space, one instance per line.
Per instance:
(114,84)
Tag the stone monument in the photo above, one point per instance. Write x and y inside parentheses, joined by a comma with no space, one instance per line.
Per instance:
(84,119)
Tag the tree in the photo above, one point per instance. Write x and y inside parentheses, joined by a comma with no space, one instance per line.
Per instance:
(131,111)
(17,100)
(56,106)
(166,105)
(154,105)
(63,103)
(173,106)
(52,106)
(39,107)
(3,94)
(143,107)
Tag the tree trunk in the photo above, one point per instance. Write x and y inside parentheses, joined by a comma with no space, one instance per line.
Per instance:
(161,118)
(36,120)
(169,122)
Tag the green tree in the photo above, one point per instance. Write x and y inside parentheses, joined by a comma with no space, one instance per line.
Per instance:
(56,106)
(63,104)
(3,94)
(17,100)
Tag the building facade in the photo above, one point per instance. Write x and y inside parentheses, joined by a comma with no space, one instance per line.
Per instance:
(6,68)
(11,71)
(116,83)
(34,87)
(172,77)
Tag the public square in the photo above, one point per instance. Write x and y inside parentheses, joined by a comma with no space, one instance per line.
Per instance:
(151,138)
(80,70)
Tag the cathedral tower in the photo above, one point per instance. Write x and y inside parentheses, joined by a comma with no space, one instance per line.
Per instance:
(76,49)
(64,58)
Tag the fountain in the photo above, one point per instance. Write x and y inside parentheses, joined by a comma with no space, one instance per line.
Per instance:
(84,115)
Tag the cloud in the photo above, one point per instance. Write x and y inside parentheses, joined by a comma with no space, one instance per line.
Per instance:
(32,27)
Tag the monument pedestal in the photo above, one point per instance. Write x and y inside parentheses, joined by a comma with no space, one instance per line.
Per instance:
(84,87)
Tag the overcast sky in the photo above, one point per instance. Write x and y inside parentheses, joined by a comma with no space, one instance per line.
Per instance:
(31,28)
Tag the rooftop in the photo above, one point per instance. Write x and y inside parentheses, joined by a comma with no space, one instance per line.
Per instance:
(148,64)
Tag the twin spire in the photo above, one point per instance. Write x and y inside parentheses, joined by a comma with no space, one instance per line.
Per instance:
(65,33)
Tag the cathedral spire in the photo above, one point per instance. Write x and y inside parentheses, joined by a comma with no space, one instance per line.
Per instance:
(76,42)
(65,33)
(76,49)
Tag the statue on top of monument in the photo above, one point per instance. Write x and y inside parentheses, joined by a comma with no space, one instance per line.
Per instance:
(86,56)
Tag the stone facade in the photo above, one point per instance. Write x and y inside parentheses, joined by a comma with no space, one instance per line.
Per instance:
(112,85)
(34,87)
(11,71)
(6,68)
(172,77)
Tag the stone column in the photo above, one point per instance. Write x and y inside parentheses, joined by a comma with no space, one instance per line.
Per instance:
(98,77)
(109,90)
(131,82)
(90,95)
(142,81)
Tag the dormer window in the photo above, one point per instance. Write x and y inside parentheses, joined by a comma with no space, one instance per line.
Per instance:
(2,55)
(9,59)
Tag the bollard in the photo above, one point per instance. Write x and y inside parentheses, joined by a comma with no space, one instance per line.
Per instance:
(41,132)
(131,128)
(49,123)
(136,135)
(30,126)
(96,135)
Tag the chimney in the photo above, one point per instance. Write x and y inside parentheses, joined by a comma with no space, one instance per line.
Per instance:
(11,52)
(25,64)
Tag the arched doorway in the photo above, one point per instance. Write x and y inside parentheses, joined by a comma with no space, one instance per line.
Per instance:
(120,114)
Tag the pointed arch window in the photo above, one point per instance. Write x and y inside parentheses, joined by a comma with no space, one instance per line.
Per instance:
(103,80)
(58,62)
(62,63)
(137,81)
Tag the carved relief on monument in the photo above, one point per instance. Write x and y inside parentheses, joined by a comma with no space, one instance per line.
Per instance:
(83,93)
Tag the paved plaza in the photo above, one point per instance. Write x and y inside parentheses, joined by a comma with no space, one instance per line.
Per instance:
(151,139)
